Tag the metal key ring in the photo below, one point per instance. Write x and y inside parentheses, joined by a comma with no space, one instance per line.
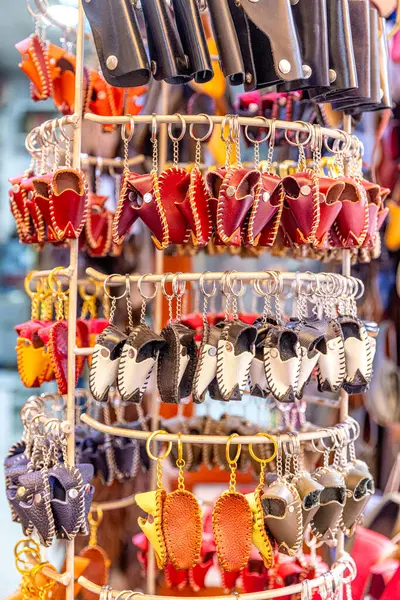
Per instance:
(178,287)
(226,121)
(183,129)
(139,285)
(334,150)
(229,460)
(153,127)
(124,136)
(231,285)
(209,132)
(202,286)
(297,141)
(163,282)
(150,439)
(105,288)
(264,460)
(255,140)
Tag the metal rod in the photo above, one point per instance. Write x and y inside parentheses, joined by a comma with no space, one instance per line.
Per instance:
(111,162)
(304,436)
(114,504)
(73,282)
(217,276)
(289,591)
(198,119)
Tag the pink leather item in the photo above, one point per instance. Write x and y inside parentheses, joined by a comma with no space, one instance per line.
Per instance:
(350,228)
(385,580)
(22,191)
(68,203)
(139,200)
(301,210)
(330,191)
(39,208)
(266,212)
(236,196)
(195,207)
(174,186)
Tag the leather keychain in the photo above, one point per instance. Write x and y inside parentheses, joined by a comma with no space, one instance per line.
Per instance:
(153,503)
(182,522)
(195,207)
(232,521)
(99,563)
(265,214)
(259,535)
(106,353)
(140,352)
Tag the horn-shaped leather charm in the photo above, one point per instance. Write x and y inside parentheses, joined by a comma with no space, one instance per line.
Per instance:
(330,193)
(153,504)
(259,535)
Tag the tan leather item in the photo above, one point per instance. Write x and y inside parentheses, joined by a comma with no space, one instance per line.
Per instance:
(182,528)
(310,492)
(153,503)
(96,571)
(232,525)
(359,489)
(326,521)
(283,515)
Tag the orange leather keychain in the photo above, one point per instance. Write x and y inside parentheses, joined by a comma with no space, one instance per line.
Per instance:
(182,526)
(232,521)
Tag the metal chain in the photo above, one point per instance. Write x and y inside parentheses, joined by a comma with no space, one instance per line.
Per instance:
(159,472)
(126,157)
(257,154)
(180,463)
(68,153)
(197,158)
(232,478)
(112,309)
(154,141)
(129,309)
(175,159)
(143,311)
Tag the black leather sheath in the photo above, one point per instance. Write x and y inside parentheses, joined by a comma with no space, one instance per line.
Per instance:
(274,20)
(119,45)
(310,17)
(343,72)
(168,59)
(242,27)
(191,32)
(227,42)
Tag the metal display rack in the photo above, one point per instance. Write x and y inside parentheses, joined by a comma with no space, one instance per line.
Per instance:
(70,273)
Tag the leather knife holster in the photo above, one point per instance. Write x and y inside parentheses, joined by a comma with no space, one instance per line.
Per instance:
(226,38)
(310,17)
(273,35)
(168,59)
(243,31)
(118,42)
(342,65)
(191,32)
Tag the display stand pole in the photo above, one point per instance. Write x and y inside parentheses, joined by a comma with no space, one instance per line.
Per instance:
(157,321)
(73,283)
(344,397)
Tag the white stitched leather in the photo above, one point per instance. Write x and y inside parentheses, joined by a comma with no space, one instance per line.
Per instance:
(105,370)
(132,375)
(257,374)
(356,357)
(208,369)
(329,363)
(306,368)
(183,363)
(235,367)
(281,374)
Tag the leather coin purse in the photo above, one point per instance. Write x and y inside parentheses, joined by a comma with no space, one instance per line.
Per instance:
(105,361)
(283,515)
(68,203)
(325,522)
(331,366)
